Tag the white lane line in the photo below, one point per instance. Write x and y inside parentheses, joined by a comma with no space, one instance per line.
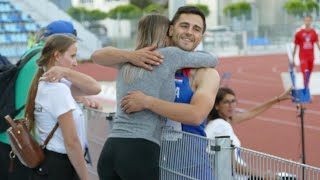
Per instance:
(284,122)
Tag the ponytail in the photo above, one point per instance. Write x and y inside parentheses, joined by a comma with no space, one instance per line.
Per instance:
(30,106)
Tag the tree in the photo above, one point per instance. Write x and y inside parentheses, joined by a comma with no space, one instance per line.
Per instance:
(96,15)
(125,12)
(295,7)
(141,3)
(311,6)
(81,14)
(204,8)
(299,8)
(154,8)
(237,9)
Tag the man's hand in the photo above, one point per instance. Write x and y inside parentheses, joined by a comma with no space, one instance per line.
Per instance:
(135,101)
(146,57)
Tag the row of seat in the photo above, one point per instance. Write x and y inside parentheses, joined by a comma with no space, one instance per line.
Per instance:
(15,17)
(7,7)
(13,51)
(15,26)
(19,27)
(13,38)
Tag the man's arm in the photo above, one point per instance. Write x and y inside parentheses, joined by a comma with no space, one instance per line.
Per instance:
(193,114)
(293,55)
(318,44)
(144,57)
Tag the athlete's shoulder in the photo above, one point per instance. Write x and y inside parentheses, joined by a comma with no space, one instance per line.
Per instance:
(298,30)
(206,71)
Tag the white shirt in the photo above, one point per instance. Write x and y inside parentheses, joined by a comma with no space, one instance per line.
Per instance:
(53,100)
(220,127)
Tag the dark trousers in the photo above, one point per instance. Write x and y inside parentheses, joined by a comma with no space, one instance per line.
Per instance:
(129,159)
(19,171)
(55,167)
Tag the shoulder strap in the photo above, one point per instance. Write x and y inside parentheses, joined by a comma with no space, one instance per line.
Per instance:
(50,135)
(25,58)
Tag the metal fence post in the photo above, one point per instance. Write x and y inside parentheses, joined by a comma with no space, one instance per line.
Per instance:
(222,158)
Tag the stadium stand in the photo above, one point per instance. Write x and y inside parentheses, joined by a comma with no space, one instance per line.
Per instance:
(43,12)
(15,26)
(19,18)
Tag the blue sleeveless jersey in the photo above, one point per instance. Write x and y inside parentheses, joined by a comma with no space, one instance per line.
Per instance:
(184,94)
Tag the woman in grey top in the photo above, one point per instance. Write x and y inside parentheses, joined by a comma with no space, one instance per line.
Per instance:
(132,149)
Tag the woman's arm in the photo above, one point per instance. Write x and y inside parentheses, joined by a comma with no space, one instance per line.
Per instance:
(110,56)
(72,144)
(82,84)
(193,114)
(177,58)
(243,116)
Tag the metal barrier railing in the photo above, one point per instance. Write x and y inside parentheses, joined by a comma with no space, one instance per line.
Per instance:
(186,156)
(98,129)
(248,163)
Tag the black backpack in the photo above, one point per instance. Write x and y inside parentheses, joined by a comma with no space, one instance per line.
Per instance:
(4,60)
(8,77)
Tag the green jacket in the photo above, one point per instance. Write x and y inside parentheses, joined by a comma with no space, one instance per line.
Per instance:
(23,84)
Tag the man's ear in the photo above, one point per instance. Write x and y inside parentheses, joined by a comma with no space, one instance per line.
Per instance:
(170,30)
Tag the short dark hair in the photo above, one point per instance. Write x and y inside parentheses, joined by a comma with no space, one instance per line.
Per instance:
(308,16)
(189,10)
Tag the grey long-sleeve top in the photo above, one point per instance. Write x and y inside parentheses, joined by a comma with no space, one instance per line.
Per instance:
(158,83)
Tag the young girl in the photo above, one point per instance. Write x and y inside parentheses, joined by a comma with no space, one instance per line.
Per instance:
(51,102)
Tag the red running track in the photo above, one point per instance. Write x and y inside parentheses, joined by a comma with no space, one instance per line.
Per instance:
(277,131)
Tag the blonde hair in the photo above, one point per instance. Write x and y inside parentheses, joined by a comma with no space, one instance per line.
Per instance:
(152,30)
(54,43)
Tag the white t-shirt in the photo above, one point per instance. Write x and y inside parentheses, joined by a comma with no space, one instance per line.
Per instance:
(53,100)
(220,127)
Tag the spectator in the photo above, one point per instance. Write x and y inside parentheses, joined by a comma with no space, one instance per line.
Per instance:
(31,39)
(4,60)
(50,103)
(17,170)
(224,115)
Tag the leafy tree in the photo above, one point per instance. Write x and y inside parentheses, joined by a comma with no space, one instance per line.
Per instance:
(311,6)
(96,15)
(300,8)
(295,7)
(141,3)
(82,14)
(125,12)
(154,7)
(237,9)
(78,13)
(204,8)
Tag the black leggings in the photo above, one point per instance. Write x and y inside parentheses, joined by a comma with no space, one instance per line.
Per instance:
(55,167)
(19,171)
(129,159)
